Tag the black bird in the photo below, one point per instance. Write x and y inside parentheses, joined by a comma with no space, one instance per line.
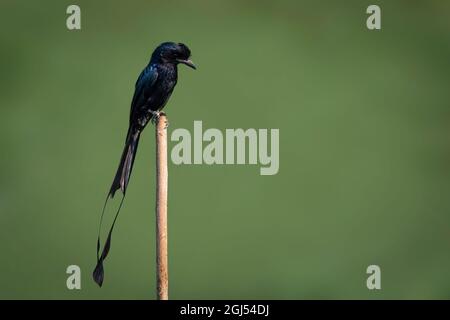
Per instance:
(152,91)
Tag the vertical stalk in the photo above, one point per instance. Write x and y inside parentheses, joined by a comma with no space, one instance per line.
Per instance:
(162,268)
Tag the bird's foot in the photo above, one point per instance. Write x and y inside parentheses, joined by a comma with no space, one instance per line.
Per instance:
(155,116)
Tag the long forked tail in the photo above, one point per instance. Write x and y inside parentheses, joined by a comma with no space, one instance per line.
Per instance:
(120,181)
(126,163)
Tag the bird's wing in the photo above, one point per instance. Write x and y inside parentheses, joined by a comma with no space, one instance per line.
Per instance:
(143,86)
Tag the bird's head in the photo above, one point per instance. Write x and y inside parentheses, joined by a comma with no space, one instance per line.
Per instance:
(175,53)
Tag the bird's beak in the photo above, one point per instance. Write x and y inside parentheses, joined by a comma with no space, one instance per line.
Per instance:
(188,62)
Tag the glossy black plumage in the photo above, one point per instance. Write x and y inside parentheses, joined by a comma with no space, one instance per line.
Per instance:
(153,89)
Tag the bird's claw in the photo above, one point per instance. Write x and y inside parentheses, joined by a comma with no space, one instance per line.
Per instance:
(155,117)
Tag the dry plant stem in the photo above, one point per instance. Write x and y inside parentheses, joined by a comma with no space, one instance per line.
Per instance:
(162,268)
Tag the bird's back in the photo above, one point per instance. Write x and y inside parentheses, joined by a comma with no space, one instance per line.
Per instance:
(153,89)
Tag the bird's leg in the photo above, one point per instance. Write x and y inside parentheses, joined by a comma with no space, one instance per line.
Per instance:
(155,116)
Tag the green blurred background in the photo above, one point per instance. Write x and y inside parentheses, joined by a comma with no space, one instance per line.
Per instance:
(364,149)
